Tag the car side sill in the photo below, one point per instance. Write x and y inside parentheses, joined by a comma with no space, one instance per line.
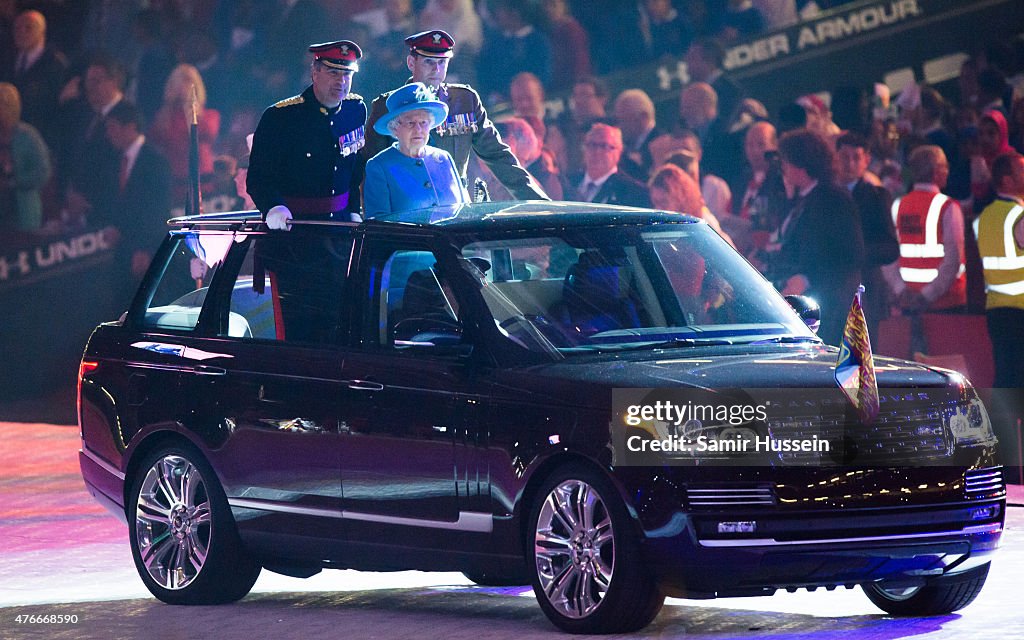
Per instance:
(469,521)
(994,527)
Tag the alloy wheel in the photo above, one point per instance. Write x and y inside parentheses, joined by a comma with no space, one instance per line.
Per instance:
(574,548)
(173,527)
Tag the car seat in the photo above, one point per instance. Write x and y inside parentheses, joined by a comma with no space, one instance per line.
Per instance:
(595,296)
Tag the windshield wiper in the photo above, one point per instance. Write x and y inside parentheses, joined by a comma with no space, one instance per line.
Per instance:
(786,340)
(663,344)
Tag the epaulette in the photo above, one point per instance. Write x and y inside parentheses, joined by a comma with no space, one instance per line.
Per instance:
(353,96)
(455,87)
(287,102)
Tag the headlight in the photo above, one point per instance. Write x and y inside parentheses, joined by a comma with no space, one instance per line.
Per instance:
(969,422)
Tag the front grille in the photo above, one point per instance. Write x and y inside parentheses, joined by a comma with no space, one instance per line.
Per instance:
(983,483)
(717,497)
(904,432)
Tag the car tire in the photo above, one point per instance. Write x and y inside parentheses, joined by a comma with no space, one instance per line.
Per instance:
(938,597)
(183,539)
(584,555)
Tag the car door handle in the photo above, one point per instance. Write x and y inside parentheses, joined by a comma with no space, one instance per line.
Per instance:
(365,385)
(207,370)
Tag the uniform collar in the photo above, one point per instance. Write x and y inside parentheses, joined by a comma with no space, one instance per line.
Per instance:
(1010,197)
(311,96)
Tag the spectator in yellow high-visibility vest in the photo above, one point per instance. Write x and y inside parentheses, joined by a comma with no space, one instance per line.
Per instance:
(1000,233)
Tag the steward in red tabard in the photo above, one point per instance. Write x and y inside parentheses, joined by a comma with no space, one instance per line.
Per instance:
(930,273)
(467,128)
(305,162)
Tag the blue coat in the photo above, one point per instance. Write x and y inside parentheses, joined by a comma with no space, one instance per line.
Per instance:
(396,182)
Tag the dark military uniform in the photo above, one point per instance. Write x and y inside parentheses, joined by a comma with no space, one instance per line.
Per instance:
(305,156)
(467,129)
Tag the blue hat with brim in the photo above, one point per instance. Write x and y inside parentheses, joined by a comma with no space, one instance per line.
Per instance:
(411,97)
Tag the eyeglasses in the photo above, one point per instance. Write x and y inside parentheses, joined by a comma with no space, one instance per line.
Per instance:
(600,146)
(415,124)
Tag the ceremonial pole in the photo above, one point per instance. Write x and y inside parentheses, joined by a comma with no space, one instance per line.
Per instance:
(194,198)
(193,201)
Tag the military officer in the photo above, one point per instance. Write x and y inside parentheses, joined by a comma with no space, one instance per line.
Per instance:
(467,127)
(304,162)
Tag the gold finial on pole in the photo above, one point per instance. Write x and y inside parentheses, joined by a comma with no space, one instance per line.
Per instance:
(195,105)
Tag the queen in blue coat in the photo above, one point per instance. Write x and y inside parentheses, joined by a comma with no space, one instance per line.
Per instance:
(411,174)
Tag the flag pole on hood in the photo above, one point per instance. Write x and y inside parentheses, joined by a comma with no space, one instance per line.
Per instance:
(855,367)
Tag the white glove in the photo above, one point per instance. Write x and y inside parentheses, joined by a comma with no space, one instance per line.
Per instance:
(278,217)
(197,268)
(356,217)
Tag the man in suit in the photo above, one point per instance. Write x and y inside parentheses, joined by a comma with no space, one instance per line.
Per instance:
(699,111)
(704,59)
(143,201)
(88,160)
(873,204)
(634,116)
(467,129)
(821,248)
(38,71)
(602,181)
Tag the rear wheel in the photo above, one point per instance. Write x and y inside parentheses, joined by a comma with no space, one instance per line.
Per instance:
(940,596)
(585,557)
(183,539)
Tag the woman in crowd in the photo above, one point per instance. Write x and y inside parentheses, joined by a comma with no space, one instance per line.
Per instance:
(672,189)
(170,129)
(410,174)
(993,141)
(24,165)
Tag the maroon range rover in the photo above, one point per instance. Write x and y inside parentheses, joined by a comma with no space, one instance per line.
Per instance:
(435,392)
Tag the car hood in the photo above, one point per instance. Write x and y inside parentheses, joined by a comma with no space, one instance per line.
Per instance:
(741,366)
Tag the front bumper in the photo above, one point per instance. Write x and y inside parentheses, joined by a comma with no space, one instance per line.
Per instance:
(821,549)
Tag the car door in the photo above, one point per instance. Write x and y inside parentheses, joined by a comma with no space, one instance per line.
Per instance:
(408,463)
(273,388)
(158,349)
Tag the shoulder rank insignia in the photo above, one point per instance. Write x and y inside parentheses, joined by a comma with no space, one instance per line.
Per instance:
(287,102)
(353,96)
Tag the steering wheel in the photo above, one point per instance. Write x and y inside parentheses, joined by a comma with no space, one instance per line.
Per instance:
(410,328)
(524,327)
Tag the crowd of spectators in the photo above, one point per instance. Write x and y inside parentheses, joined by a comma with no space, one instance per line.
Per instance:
(66,66)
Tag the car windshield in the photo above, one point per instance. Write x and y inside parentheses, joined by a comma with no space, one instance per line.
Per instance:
(573,291)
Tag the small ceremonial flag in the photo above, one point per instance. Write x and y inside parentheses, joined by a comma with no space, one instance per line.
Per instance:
(855,368)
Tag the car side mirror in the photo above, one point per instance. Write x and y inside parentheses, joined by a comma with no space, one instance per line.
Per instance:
(438,336)
(444,346)
(808,309)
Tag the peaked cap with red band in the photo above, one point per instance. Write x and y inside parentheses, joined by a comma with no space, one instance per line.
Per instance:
(341,54)
(432,44)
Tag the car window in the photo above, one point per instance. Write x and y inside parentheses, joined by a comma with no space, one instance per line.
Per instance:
(289,287)
(410,302)
(182,285)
